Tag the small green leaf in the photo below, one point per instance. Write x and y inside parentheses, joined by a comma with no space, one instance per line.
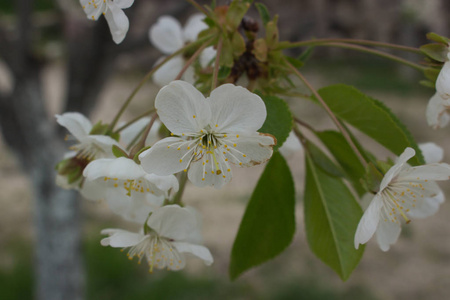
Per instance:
(236,11)
(345,156)
(119,152)
(226,56)
(224,72)
(268,224)
(279,119)
(437,38)
(303,57)
(295,62)
(428,83)
(331,217)
(263,13)
(431,74)
(435,51)
(272,34)
(238,44)
(260,50)
(322,160)
(371,117)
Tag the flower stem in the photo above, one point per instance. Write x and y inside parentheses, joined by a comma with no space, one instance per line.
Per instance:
(304,124)
(141,143)
(191,60)
(199,7)
(182,180)
(378,53)
(321,42)
(330,113)
(148,112)
(216,64)
(150,73)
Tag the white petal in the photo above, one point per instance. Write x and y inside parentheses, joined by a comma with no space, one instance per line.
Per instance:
(93,11)
(207,56)
(443,82)
(119,238)
(250,149)
(235,109)
(369,222)
(432,153)
(77,124)
(123,3)
(387,234)
(173,222)
(91,190)
(135,208)
(101,144)
(189,75)
(193,27)
(436,171)
(163,158)
(118,23)
(197,250)
(166,35)
(182,108)
(163,183)
(198,171)
(428,207)
(437,113)
(169,71)
(121,168)
(395,169)
(291,145)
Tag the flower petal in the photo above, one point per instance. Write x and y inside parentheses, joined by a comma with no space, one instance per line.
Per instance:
(291,145)
(395,169)
(235,109)
(193,27)
(182,108)
(369,222)
(249,149)
(437,113)
(123,3)
(77,124)
(428,207)
(204,175)
(432,153)
(121,168)
(173,222)
(129,134)
(119,238)
(443,82)
(169,71)
(93,11)
(118,23)
(207,56)
(163,158)
(436,171)
(197,250)
(387,234)
(134,209)
(166,35)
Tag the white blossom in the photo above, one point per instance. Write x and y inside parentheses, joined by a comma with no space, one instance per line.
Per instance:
(129,134)
(169,233)
(443,82)
(89,146)
(112,10)
(128,190)
(405,192)
(168,36)
(291,145)
(211,133)
(437,113)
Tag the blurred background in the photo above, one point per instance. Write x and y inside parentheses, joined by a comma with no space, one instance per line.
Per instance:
(52,60)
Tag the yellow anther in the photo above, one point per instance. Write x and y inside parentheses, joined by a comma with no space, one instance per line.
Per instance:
(188,147)
(244,155)
(194,116)
(185,170)
(234,145)
(224,135)
(171,133)
(237,135)
(217,125)
(181,160)
(240,164)
(203,179)
(228,170)
(116,185)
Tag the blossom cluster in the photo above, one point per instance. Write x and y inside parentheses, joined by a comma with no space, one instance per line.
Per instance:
(140,170)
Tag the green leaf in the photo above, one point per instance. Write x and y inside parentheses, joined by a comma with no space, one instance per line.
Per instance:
(268,225)
(371,117)
(427,83)
(263,13)
(279,119)
(119,152)
(437,38)
(345,156)
(331,217)
(432,74)
(295,62)
(236,11)
(224,72)
(322,160)
(435,51)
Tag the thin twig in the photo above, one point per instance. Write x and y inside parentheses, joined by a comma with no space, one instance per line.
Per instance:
(330,113)
(216,64)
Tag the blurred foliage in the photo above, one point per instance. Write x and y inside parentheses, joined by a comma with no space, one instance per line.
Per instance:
(8,7)
(110,275)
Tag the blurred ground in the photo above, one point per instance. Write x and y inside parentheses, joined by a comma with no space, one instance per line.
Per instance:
(417,267)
